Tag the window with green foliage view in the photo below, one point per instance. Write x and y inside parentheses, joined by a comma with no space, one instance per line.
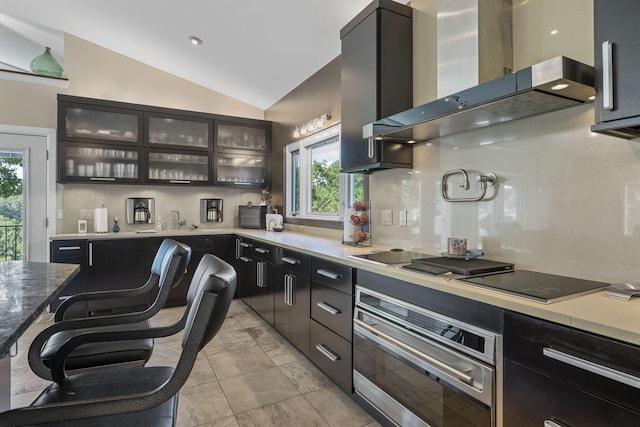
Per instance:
(315,188)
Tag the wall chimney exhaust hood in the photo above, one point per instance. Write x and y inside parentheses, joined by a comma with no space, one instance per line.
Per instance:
(555,84)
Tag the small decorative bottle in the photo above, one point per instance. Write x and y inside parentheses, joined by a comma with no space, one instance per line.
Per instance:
(116,227)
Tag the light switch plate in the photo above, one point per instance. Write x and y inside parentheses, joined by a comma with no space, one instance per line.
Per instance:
(387,217)
(403,218)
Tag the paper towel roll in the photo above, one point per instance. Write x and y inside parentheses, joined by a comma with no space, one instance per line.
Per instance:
(100,220)
(349,229)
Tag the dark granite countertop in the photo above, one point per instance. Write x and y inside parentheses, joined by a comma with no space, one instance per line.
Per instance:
(26,288)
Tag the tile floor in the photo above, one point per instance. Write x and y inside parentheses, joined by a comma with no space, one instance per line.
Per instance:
(248,375)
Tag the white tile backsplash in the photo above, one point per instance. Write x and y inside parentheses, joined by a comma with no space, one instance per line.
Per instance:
(567,200)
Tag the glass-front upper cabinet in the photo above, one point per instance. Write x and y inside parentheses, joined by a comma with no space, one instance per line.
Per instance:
(239,136)
(96,123)
(93,162)
(176,131)
(235,169)
(177,167)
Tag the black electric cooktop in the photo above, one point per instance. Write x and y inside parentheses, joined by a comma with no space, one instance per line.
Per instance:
(390,257)
(540,287)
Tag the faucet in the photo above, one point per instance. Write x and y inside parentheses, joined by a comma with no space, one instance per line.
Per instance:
(178,222)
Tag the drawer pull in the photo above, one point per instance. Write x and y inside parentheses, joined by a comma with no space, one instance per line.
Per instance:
(69,248)
(102,179)
(245,259)
(327,353)
(245,245)
(328,274)
(594,368)
(326,307)
(551,423)
(607,75)
(291,261)
(261,250)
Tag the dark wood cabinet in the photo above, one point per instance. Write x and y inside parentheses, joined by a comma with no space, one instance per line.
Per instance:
(292,292)
(122,143)
(331,325)
(71,252)
(565,376)
(617,110)
(377,81)
(118,264)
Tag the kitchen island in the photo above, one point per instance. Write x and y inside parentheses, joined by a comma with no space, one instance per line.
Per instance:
(26,288)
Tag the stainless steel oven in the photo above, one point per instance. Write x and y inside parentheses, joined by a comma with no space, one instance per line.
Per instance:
(421,368)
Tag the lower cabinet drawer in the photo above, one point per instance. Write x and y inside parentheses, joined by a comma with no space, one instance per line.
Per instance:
(332,354)
(332,308)
(535,400)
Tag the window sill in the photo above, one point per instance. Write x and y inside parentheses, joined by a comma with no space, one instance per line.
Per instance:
(19,76)
(335,225)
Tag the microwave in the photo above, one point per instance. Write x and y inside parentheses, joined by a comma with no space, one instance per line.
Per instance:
(253,216)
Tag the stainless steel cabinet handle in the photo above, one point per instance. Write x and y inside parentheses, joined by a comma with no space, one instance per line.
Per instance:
(594,368)
(238,248)
(327,353)
(326,307)
(328,274)
(551,423)
(371,145)
(292,291)
(245,259)
(260,274)
(425,358)
(69,248)
(178,181)
(291,261)
(245,245)
(102,179)
(90,254)
(286,290)
(607,75)
(261,250)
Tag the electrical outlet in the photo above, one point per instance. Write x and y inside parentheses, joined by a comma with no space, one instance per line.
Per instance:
(387,218)
(403,218)
(59,214)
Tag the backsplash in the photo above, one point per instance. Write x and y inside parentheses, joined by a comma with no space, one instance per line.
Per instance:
(567,200)
(186,200)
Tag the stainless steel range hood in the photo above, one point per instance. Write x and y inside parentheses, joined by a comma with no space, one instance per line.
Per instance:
(534,90)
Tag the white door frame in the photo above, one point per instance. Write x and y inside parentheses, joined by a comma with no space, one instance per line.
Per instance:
(50,136)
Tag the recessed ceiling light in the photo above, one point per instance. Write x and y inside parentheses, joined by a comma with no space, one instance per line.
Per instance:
(195,40)
(560,86)
(554,32)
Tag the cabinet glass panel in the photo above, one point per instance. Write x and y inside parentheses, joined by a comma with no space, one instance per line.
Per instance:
(186,168)
(98,163)
(82,122)
(185,133)
(241,137)
(237,169)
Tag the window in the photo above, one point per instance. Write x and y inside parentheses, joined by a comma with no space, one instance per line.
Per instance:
(315,188)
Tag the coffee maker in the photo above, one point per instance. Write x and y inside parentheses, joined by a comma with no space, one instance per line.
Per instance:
(140,211)
(210,210)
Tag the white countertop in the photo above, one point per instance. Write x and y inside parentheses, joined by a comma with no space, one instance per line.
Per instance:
(594,312)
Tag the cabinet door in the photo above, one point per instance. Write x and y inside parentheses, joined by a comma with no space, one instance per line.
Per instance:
(534,400)
(282,310)
(247,136)
(262,299)
(240,169)
(246,278)
(71,252)
(616,22)
(118,264)
(376,82)
(178,132)
(173,167)
(92,162)
(100,124)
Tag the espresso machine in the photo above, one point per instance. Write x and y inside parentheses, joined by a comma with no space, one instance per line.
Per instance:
(210,210)
(140,211)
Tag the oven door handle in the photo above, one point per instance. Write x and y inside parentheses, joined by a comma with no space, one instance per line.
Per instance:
(429,360)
